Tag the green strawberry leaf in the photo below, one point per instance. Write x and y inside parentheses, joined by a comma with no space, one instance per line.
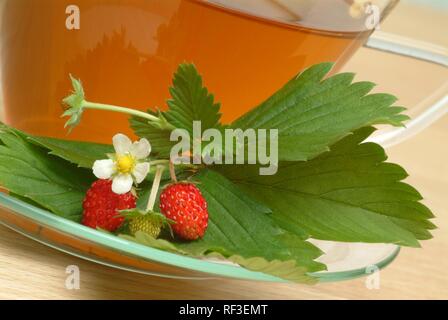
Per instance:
(311,114)
(30,172)
(82,154)
(241,226)
(286,270)
(190,101)
(236,220)
(347,194)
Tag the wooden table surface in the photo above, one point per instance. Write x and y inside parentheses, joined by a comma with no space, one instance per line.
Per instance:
(29,270)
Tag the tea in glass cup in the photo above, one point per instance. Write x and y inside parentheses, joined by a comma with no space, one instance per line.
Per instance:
(125,53)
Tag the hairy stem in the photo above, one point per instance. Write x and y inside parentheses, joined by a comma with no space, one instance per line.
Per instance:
(172,172)
(155,188)
(159,162)
(133,112)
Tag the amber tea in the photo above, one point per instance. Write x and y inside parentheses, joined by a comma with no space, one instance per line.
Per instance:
(125,52)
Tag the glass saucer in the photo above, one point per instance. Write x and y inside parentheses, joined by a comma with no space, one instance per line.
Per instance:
(344,260)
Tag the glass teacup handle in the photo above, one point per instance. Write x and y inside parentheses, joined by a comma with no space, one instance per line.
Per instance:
(430,109)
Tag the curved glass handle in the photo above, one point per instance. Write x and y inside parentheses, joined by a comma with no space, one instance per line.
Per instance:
(427,111)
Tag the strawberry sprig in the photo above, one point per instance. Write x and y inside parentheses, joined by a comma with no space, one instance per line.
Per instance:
(76,103)
(190,218)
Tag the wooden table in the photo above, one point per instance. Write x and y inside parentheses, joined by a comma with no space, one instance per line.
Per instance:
(29,270)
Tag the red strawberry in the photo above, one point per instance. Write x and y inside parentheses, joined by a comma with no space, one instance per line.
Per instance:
(184,204)
(101,206)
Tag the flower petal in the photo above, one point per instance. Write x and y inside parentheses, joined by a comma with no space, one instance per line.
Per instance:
(122,183)
(103,169)
(141,149)
(140,172)
(122,144)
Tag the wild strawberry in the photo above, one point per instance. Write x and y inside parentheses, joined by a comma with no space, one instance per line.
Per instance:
(148,222)
(101,206)
(184,204)
(143,224)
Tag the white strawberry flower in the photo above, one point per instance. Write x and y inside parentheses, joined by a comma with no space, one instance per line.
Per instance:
(126,166)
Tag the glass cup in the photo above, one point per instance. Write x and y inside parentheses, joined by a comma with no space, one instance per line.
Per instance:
(125,52)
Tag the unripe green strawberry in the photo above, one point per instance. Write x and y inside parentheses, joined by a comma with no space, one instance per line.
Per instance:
(149,222)
(145,223)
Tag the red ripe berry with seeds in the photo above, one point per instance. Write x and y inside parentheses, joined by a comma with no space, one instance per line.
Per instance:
(101,206)
(184,204)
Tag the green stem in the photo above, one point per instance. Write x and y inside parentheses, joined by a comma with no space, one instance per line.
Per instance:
(168,163)
(159,162)
(172,172)
(155,188)
(137,113)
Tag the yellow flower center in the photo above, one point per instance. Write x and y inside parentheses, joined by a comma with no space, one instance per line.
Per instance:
(125,164)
